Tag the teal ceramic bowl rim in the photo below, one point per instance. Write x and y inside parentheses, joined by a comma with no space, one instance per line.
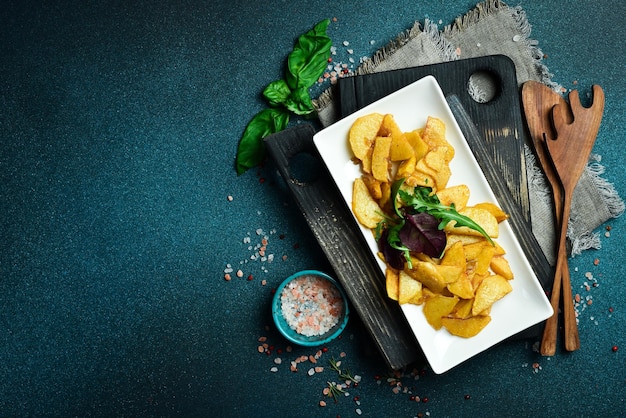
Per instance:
(292,335)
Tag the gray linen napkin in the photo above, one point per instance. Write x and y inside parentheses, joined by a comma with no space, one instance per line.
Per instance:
(491,28)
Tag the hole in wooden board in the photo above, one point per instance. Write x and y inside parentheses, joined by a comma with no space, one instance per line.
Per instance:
(483,86)
(304,168)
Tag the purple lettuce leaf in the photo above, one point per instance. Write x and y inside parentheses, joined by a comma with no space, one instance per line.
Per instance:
(421,234)
(393,256)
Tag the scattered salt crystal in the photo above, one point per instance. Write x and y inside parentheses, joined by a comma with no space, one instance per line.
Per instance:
(346,43)
(350,51)
(516,38)
(311,371)
(278,360)
(274,369)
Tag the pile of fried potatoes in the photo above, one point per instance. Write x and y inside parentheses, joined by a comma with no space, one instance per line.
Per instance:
(457,290)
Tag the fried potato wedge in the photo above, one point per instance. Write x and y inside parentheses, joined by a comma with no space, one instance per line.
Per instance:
(434,135)
(462,287)
(401,149)
(389,127)
(420,148)
(364,206)
(490,290)
(482,217)
(454,195)
(363,132)
(380,158)
(438,306)
(392,283)
(455,256)
(466,328)
(494,209)
(500,265)
(374,186)
(409,289)
(428,274)
(463,309)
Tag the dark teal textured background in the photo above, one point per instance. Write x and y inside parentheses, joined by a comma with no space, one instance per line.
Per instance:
(119,122)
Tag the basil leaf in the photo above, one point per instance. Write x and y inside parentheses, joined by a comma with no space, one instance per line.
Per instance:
(251,149)
(309,57)
(299,102)
(277,92)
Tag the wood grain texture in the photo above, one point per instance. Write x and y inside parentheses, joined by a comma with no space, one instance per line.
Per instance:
(569,152)
(538,101)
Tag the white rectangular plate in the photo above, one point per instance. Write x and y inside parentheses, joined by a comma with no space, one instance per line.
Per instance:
(525,306)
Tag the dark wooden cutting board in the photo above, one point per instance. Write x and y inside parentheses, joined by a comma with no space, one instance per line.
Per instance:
(335,229)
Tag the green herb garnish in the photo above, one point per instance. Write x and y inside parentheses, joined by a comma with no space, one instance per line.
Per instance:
(416,225)
(305,64)
(423,200)
(335,391)
(344,375)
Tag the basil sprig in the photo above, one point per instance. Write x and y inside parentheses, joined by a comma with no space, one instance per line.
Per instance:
(305,64)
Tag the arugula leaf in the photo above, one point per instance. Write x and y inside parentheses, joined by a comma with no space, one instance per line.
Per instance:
(423,200)
(251,150)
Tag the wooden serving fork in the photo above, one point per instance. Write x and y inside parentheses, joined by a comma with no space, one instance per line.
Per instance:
(569,152)
(538,100)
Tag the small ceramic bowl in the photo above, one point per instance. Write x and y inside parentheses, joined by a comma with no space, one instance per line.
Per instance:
(310,308)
